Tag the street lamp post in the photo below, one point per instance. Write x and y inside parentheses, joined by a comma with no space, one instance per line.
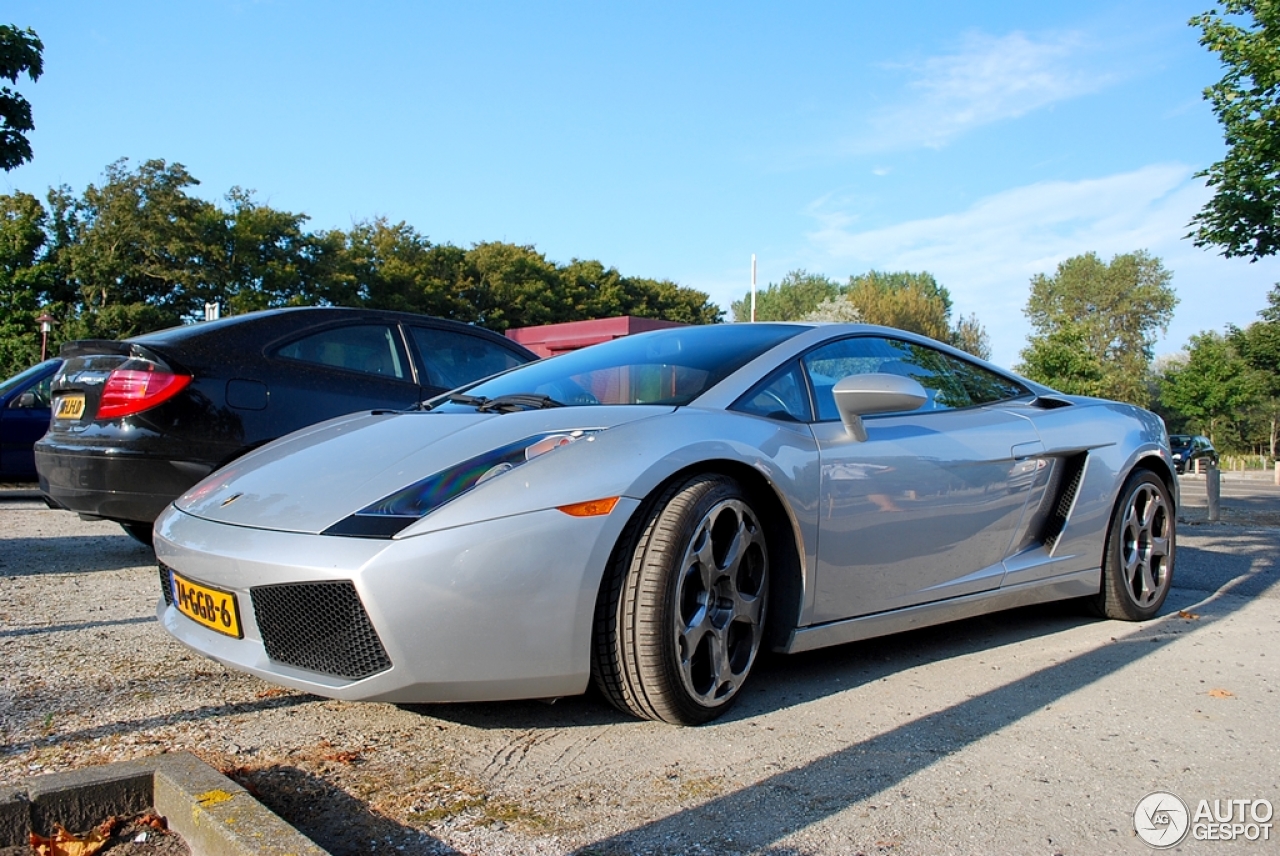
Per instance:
(46,324)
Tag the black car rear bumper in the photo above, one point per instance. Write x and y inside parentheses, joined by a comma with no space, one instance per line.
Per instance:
(141,486)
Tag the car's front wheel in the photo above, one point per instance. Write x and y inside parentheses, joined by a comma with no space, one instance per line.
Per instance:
(681,615)
(1137,569)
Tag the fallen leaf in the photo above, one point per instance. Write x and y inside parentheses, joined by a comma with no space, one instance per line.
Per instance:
(63,843)
(1221,693)
(1189,616)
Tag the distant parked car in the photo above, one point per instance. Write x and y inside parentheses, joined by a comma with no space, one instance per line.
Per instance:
(1188,448)
(138,422)
(24,417)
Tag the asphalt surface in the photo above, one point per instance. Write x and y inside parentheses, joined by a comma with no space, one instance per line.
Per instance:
(1034,731)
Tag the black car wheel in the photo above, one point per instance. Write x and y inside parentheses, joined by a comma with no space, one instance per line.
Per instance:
(1137,569)
(680,619)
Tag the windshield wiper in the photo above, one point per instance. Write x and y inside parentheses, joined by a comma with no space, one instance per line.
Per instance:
(506,403)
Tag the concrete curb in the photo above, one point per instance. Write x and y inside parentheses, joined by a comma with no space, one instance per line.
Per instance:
(214,815)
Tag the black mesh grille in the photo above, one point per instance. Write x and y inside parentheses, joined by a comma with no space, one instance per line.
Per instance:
(318,626)
(165,585)
(1072,476)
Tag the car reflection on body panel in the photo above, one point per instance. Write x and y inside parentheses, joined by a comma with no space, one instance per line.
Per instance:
(649,513)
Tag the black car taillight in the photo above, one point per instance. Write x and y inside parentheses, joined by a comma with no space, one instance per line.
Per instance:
(129,391)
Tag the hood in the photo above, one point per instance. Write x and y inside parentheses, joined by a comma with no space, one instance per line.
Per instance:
(313,478)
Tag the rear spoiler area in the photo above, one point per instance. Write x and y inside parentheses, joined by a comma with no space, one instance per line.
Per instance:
(100,347)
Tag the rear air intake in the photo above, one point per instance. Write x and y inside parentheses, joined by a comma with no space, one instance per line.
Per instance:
(321,627)
(1072,475)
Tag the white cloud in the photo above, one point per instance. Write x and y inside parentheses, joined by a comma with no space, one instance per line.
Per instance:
(989,79)
(987,254)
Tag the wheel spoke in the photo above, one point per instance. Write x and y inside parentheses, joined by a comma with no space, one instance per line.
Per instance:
(719,631)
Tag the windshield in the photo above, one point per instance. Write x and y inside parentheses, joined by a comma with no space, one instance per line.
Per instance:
(668,367)
(22,377)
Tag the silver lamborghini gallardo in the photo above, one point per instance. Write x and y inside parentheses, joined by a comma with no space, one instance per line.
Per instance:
(650,513)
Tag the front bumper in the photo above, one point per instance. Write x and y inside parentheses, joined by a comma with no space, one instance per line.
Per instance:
(113,483)
(488,611)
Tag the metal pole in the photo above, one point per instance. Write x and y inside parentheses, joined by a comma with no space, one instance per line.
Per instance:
(753,288)
(1213,489)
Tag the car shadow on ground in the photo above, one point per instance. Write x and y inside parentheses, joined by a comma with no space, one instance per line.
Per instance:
(336,821)
(794,799)
(69,554)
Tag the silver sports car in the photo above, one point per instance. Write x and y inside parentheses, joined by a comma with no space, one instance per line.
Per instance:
(650,513)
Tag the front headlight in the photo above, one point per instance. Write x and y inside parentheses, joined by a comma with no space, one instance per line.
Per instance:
(391,514)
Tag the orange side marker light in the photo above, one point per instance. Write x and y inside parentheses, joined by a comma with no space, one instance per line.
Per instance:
(591,508)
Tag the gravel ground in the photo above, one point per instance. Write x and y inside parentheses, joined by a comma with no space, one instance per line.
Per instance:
(1036,731)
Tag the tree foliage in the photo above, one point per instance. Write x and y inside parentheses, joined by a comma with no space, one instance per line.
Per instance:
(907,301)
(798,294)
(1259,346)
(1214,387)
(1242,217)
(20,52)
(1110,312)
(141,251)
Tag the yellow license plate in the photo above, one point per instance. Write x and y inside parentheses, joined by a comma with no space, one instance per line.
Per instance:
(214,608)
(70,407)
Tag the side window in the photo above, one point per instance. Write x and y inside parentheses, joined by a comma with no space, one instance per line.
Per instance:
(871,355)
(949,382)
(782,395)
(451,359)
(367,348)
(982,385)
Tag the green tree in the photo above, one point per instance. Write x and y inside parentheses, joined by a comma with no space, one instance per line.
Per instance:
(1242,218)
(1213,388)
(513,286)
(24,280)
(908,301)
(1259,346)
(970,336)
(1111,310)
(142,239)
(253,256)
(1062,358)
(20,51)
(798,294)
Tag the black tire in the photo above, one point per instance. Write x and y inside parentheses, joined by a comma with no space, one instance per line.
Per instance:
(1137,568)
(140,532)
(681,613)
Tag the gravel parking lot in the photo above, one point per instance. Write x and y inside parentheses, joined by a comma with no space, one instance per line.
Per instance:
(1035,731)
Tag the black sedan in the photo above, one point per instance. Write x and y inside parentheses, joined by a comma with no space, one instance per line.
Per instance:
(24,417)
(1187,449)
(138,422)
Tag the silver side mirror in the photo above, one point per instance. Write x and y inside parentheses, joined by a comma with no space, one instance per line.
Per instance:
(860,395)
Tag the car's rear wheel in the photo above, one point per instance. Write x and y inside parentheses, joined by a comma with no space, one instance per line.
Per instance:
(680,618)
(1137,569)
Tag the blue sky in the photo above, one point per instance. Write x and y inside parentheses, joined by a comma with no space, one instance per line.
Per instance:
(983,142)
